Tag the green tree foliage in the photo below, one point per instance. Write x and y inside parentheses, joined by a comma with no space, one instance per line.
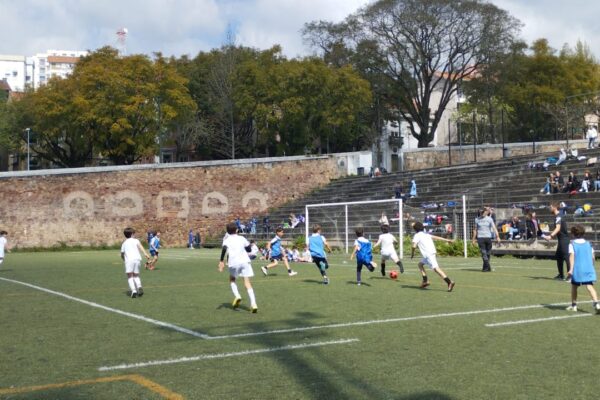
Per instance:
(113,107)
(421,49)
(260,103)
(541,89)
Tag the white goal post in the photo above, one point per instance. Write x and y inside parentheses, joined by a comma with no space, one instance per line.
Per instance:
(347,228)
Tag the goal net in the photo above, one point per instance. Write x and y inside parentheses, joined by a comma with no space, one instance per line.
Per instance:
(339,220)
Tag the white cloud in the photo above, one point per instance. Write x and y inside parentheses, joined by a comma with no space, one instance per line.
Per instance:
(188,26)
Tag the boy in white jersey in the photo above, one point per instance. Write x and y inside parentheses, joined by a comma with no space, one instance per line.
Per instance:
(388,251)
(2,245)
(130,253)
(427,248)
(238,264)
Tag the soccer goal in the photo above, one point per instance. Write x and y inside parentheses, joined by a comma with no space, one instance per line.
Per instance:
(339,220)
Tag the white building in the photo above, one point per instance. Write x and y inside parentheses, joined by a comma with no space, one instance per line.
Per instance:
(13,70)
(54,63)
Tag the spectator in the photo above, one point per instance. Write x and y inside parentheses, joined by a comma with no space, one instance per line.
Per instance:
(305,257)
(191,239)
(586,182)
(384,220)
(591,135)
(198,240)
(533,226)
(572,184)
(241,227)
(513,231)
(597,181)
(266,226)
(562,156)
(558,183)
(413,189)
(547,189)
(293,221)
(253,223)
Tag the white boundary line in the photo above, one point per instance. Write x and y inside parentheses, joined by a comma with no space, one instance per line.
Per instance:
(387,321)
(226,355)
(113,310)
(530,321)
(288,330)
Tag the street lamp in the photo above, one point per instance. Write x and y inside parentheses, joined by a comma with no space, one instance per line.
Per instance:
(28,157)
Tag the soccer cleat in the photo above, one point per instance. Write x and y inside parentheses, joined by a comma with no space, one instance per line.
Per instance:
(140,292)
(357,283)
(559,277)
(571,308)
(254,310)
(597,308)
(264,270)
(326,281)
(236,302)
(133,295)
(424,285)
(371,268)
(292,273)
(450,286)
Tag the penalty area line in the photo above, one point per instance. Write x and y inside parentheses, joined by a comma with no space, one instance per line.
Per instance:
(226,355)
(531,321)
(113,310)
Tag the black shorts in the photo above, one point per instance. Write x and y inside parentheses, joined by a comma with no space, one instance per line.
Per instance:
(581,283)
(277,258)
(319,260)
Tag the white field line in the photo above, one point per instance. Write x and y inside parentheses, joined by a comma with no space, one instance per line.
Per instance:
(531,321)
(113,310)
(387,321)
(289,330)
(226,355)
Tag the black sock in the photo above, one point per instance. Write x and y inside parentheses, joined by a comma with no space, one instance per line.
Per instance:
(383,268)
(447,280)
(424,278)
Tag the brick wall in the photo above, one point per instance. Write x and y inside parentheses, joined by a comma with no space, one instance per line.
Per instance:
(92,206)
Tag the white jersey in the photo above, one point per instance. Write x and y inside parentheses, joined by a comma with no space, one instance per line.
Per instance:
(131,250)
(386,240)
(2,246)
(425,243)
(254,250)
(236,247)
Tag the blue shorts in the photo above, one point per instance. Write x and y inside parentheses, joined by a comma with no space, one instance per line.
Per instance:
(277,257)
(154,253)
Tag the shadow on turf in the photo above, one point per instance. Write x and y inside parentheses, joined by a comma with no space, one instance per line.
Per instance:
(545,278)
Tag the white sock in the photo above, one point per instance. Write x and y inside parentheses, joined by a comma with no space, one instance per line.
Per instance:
(137,281)
(131,285)
(235,290)
(252,298)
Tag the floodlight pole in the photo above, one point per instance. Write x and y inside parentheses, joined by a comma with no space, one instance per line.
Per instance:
(464,201)
(28,154)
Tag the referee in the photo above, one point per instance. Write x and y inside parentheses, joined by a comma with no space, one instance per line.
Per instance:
(485,230)
(560,232)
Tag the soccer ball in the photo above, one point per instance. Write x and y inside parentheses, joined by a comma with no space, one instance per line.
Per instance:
(393,274)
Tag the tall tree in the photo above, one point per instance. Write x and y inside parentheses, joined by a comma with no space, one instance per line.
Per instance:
(422,47)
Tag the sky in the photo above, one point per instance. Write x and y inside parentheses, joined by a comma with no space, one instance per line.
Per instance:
(177,27)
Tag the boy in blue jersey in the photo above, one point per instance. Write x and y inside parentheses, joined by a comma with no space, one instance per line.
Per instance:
(364,254)
(317,245)
(581,270)
(154,246)
(277,252)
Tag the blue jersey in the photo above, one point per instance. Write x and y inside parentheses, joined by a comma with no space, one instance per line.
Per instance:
(155,243)
(583,270)
(364,254)
(316,245)
(276,246)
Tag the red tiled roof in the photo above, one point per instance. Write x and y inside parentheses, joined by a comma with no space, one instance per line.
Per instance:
(62,59)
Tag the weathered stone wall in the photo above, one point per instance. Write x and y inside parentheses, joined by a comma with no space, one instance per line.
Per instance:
(91,206)
(416,159)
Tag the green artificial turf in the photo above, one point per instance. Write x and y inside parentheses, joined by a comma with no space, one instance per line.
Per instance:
(403,342)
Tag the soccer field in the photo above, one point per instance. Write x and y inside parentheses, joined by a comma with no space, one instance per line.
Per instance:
(69,331)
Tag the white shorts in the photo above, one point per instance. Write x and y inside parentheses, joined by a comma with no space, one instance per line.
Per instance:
(430,261)
(133,267)
(389,255)
(242,270)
